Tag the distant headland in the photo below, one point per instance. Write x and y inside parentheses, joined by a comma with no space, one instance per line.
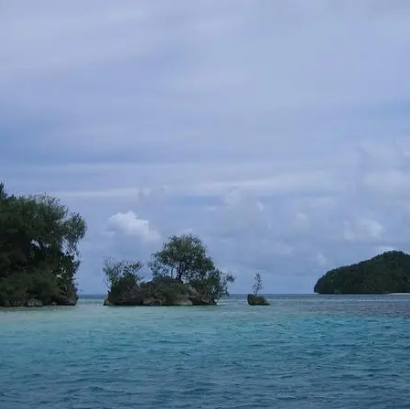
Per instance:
(387,273)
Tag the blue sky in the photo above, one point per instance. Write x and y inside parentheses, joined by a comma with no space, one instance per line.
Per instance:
(278,132)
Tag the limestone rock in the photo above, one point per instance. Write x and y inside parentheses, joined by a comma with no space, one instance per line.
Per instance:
(33,303)
(163,291)
(257,300)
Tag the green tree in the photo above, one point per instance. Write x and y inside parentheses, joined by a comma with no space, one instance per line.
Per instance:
(183,257)
(214,284)
(123,281)
(38,249)
(117,270)
(186,259)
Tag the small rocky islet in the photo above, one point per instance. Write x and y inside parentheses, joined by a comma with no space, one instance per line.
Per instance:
(256,298)
(183,273)
(253,299)
(161,291)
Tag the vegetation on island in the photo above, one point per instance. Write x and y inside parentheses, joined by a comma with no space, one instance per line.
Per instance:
(39,260)
(255,298)
(386,273)
(39,241)
(183,273)
(257,285)
(38,250)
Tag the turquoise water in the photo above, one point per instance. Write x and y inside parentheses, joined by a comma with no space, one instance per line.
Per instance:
(301,352)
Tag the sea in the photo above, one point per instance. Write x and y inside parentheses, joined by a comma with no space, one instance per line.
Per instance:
(316,352)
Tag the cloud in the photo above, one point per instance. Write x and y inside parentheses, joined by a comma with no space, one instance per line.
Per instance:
(282,249)
(96,194)
(277,131)
(321,259)
(129,224)
(382,249)
(362,229)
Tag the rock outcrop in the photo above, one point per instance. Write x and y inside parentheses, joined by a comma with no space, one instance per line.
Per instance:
(162,291)
(46,302)
(257,300)
(33,302)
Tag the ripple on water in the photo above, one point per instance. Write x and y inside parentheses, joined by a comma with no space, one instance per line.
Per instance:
(302,352)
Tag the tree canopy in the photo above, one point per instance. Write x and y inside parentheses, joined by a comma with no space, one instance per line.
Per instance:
(183,257)
(38,250)
(122,278)
(386,273)
(186,259)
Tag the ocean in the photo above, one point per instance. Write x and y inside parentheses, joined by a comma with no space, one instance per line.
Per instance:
(317,352)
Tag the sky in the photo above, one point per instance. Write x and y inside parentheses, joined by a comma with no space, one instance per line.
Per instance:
(276,131)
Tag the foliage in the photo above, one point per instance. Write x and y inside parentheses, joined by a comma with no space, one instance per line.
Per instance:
(184,257)
(181,269)
(258,285)
(214,284)
(164,290)
(386,273)
(115,271)
(122,279)
(38,249)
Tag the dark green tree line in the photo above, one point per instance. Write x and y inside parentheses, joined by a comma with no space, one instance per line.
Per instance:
(38,250)
(386,273)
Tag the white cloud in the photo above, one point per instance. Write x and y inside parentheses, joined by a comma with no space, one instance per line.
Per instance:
(282,249)
(102,193)
(371,227)
(362,229)
(302,221)
(321,259)
(289,120)
(348,233)
(129,224)
(260,206)
(383,248)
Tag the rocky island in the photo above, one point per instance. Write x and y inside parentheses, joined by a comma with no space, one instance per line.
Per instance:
(38,251)
(384,274)
(255,298)
(182,274)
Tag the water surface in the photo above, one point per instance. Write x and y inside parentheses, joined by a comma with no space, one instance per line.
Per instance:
(301,352)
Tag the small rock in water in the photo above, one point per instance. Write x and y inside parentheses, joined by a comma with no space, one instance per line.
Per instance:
(257,300)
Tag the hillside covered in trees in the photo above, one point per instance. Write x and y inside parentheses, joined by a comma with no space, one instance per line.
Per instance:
(38,251)
(386,273)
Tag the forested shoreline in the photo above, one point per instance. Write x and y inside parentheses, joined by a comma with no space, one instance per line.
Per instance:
(39,240)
